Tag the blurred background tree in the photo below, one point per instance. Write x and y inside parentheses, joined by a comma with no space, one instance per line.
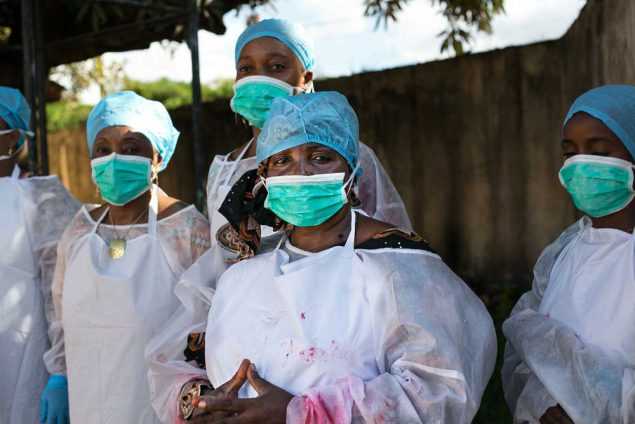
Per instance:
(464,17)
(79,76)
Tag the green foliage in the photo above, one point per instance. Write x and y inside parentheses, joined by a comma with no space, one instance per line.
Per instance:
(71,114)
(5,33)
(464,18)
(493,409)
(79,76)
(174,94)
(66,115)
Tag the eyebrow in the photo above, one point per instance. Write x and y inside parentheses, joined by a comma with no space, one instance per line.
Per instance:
(278,55)
(598,138)
(268,56)
(133,136)
(318,148)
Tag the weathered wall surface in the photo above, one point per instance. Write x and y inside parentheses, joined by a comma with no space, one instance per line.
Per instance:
(472,143)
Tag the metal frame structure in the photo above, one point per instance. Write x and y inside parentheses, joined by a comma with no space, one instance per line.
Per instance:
(35,74)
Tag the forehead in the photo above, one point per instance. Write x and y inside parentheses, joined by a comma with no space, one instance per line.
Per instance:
(119,133)
(265,47)
(584,126)
(304,150)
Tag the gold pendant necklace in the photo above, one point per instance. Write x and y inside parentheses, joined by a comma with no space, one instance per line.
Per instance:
(117,246)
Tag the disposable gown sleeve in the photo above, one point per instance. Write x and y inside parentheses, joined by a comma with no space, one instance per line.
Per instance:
(547,364)
(380,199)
(168,368)
(55,358)
(187,236)
(53,208)
(435,347)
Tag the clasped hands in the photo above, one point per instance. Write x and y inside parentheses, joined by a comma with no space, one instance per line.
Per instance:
(222,406)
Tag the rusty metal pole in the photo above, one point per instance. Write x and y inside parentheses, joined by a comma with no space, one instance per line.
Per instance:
(198,150)
(28,71)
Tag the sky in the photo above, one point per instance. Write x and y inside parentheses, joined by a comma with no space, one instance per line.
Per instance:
(346,42)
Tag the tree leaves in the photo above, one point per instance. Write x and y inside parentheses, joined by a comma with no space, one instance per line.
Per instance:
(5,33)
(464,17)
(384,10)
(79,76)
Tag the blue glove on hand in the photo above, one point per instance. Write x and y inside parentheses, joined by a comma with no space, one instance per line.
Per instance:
(54,401)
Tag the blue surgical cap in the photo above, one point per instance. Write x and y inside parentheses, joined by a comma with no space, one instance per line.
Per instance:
(324,118)
(614,105)
(148,117)
(14,110)
(291,35)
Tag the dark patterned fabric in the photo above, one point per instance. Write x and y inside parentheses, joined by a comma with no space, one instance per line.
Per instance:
(394,238)
(195,350)
(245,211)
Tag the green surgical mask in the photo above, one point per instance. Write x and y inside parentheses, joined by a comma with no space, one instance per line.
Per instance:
(122,178)
(598,185)
(253,97)
(306,200)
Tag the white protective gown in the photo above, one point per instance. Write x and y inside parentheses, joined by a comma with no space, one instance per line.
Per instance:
(364,336)
(571,339)
(169,370)
(33,215)
(107,309)
(378,195)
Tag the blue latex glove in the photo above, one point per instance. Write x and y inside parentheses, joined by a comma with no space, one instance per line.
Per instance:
(54,401)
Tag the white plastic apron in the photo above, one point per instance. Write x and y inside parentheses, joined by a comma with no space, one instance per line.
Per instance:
(23,337)
(592,289)
(303,324)
(219,189)
(112,307)
(218,192)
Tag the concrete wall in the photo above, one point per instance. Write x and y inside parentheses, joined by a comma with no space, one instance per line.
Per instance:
(472,143)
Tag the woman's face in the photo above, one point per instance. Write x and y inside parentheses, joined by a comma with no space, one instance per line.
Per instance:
(307,159)
(123,140)
(267,56)
(7,141)
(585,135)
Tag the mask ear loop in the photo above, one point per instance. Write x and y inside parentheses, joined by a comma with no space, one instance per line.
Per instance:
(15,153)
(349,195)
(350,180)
(261,183)
(154,175)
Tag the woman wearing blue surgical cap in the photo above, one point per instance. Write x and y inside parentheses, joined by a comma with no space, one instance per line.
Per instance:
(570,356)
(118,264)
(347,319)
(274,58)
(33,214)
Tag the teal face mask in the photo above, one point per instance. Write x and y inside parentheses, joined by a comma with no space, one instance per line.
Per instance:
(122,178)
(306,200)
(253,97)
(598,185)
